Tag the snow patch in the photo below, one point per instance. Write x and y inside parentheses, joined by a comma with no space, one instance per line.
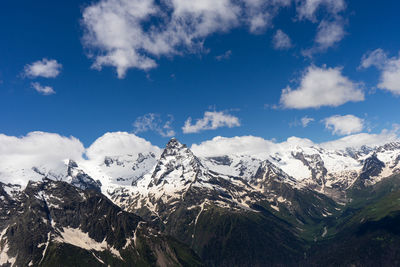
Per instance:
(275,207)
(76,237)
(4,258)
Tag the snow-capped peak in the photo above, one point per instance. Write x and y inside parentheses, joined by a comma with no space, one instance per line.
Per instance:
(175,148)
(178,163)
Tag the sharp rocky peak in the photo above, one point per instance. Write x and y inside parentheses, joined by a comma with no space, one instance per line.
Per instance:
(177,160)
(173,147)
(177,152)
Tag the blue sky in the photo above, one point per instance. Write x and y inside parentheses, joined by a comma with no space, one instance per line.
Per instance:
(340,60)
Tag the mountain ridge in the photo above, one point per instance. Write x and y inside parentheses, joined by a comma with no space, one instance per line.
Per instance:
(206,204)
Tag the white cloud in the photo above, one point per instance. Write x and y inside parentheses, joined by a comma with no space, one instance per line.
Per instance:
(281,40)
(211,121)
(44,90)
(43,68)
(36,149)
(224,56)
(329,33)
(364,139)
(258,14)
(331,27)
(389,67)
(246,145)
(321,87)
(307,9)
(153,122)
(48,152)
(262,148)
(135,33)
(344,125)
(117,144)
(303,122)
(306,120)
(377,58)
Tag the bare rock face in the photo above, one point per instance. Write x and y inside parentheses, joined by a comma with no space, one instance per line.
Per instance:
(80,179)
(52,223)
(372,167)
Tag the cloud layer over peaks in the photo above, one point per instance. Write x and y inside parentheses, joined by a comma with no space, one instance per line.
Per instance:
(48,151)
(36,149)
(262,148)
(117,144)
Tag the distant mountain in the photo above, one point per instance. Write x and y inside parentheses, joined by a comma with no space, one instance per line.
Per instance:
(176,208)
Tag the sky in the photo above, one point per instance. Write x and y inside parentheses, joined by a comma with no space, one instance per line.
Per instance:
(317,69)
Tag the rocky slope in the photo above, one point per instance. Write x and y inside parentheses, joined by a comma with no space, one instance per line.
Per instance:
(196,205)
(231,210)
(52,223)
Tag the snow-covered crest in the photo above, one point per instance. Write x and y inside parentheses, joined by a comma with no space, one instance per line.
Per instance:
(178,163)
(118,163)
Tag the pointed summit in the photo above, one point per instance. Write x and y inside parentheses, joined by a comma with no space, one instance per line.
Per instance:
(173,147)
(173,140)
(177,162)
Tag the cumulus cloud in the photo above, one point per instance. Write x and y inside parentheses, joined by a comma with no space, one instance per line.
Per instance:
(36,149)
(344,125)
(322,87)
(212,120)
(44,90)
(262,148)
(153,122)
(389,67)
(246,145)
(281,40)
(136,33)
(46,68)
(364,139)
(242,145)
(117,144)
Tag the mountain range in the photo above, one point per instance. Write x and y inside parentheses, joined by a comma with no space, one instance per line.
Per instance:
(302,205)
